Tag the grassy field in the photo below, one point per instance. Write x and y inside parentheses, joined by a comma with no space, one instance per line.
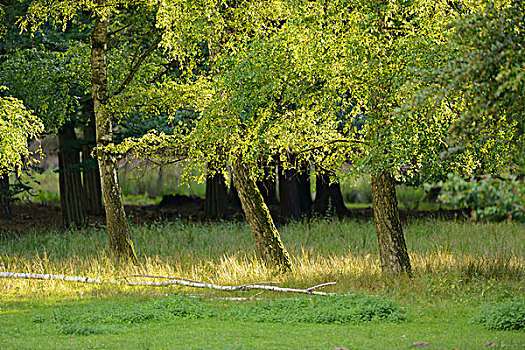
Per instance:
(460,269)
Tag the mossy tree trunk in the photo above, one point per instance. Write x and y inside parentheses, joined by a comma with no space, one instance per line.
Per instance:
(72,201)
(117,226)
(5,198)
(392,247)
(267,239)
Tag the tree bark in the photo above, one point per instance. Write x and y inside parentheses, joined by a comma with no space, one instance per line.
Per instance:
(91,172)
(392,247)
(327,194)
(216,200)
(267,239)
(72,201)
(120,242)
(5,198)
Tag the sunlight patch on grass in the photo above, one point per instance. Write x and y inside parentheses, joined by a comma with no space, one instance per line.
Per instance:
(447,258)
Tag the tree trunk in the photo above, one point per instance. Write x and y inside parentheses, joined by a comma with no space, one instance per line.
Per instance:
(216,200)
(303,187)
(267,239)
(289,194)
(72,201)
(120,242)
(91,173)
(392,246)
(328,195)
(5,198)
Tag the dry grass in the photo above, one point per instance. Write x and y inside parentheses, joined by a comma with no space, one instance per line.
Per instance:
(455,260)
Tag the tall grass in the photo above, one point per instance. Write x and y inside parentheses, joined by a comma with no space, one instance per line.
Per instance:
(450,259)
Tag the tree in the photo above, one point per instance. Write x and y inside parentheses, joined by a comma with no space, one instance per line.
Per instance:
(377,57)
(61,13)
(485,85)
(37,76)
(17,125)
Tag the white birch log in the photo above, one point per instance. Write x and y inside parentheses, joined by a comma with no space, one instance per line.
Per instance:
(174,281)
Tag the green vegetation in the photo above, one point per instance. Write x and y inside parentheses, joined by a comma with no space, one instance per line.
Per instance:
(459,268)
(507,315)
(489,198)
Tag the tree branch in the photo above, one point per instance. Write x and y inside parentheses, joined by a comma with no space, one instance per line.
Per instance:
(136,67)
(172,281)
(331,143)
(120,29)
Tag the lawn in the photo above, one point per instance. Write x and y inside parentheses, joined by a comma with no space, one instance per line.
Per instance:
(460,269)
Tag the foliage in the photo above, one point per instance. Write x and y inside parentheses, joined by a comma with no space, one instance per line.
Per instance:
(332,81)
(489,197)
(338,309)
(17,125)
(506,316)
(484,84)
(51,83)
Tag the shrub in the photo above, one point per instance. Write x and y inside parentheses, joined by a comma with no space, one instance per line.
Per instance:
(489,198)
(338,309)
(508,315)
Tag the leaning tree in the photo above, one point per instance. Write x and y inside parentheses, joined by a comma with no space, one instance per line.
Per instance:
(380,58)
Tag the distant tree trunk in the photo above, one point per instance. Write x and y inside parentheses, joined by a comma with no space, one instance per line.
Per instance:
(72,201)
(91,174)
(216,200)
(5,198)
(392,246)
(233,196)
(327,193)
(289,194)
(267,239)
(303,187)
(120,242)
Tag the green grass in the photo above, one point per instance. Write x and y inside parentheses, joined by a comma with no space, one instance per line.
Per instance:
(443,326)
(461,270)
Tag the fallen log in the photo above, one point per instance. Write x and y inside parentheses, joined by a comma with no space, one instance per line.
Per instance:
(170,281)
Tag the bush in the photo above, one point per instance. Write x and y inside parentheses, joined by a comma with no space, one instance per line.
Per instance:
(338,309)
(508,316)
(489,198)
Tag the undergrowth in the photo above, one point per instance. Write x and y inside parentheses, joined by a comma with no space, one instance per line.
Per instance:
(116,317)
(459,261)
(506,316)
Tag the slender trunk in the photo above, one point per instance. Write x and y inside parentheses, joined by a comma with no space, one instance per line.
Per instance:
(216,200)
(392,246)
(328,195)
(120,242)
(72,201)
(5,198)
(267,239)
(91,173)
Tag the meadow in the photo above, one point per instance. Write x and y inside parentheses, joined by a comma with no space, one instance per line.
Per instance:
(467,279)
